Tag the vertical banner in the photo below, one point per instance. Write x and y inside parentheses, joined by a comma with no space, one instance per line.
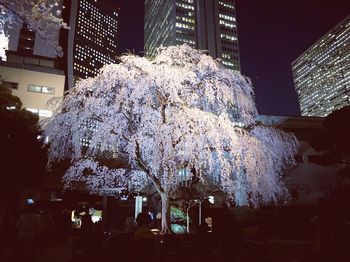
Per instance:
(138,205)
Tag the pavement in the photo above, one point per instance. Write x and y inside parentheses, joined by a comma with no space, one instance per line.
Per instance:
(61,252)
(274,250)
(57,252)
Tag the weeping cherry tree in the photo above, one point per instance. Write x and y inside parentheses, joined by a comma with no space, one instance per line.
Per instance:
(180,110)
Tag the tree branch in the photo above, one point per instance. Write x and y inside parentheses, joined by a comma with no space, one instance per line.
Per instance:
(97,118)
(12,11)
(144,167)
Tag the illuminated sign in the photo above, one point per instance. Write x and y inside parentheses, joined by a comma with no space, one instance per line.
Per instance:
(138,205)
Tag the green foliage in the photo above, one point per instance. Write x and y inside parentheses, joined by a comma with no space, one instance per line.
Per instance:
(177,215)
(22,157)
(8,100)
(178,220)
(178,229)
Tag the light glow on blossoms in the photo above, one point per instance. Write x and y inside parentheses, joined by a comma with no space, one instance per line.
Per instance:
(181,110)
(4,43)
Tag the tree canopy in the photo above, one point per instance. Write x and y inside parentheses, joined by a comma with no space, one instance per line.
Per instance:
(181,110)
(23,159)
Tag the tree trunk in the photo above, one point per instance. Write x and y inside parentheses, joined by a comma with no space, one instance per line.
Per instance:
(166,228)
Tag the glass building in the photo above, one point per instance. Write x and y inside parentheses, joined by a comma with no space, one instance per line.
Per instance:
(93,37)
(322,73)
(203,24)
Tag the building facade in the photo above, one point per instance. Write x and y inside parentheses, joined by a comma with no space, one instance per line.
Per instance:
(203,24)
(92,40)
(31,71)
(308,180)
(322,73)
(34,79)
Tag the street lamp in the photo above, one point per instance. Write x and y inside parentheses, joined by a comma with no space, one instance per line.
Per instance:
(196,202)
(199,202)
(188,218)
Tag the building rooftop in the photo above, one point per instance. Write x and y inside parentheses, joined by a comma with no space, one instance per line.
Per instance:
(31,63)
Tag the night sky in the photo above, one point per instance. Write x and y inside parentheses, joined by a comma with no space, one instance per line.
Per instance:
(271,33)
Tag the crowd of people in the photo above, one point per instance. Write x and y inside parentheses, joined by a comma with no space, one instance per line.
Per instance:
(35,229)
(31,232)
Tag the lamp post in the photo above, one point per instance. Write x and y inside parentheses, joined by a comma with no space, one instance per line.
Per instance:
(210,197)
(188,218)
(199,214)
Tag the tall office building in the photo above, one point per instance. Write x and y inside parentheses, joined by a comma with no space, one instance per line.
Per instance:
(92,40)
(322,73)
(203,24)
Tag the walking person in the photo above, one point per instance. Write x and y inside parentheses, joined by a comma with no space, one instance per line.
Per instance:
(130,224)
(27,228)
(144,238)
(45,230)
(202,243)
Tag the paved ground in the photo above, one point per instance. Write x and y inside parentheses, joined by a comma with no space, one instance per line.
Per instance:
(58,252)
(272,251)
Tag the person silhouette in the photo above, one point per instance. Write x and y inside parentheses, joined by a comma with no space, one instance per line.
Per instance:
(86,222)
(130,224)
(144,238)
(27,228)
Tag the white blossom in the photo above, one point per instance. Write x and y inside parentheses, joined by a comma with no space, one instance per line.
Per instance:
(181,110)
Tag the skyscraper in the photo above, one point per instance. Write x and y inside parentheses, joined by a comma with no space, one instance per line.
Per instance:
(92,39)
(322,73)
(203,24)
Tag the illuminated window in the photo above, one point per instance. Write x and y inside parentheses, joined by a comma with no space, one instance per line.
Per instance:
(183,177)
(41,89)
(40,112)
(33,110)
(45,113)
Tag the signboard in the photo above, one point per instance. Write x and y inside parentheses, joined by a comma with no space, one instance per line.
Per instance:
(111,191)
(138,205)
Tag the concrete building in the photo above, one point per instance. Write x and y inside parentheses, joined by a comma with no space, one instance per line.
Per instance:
(203,24)
(308,180)
(322,73)
(92,40)
(34,79)
(31,70)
